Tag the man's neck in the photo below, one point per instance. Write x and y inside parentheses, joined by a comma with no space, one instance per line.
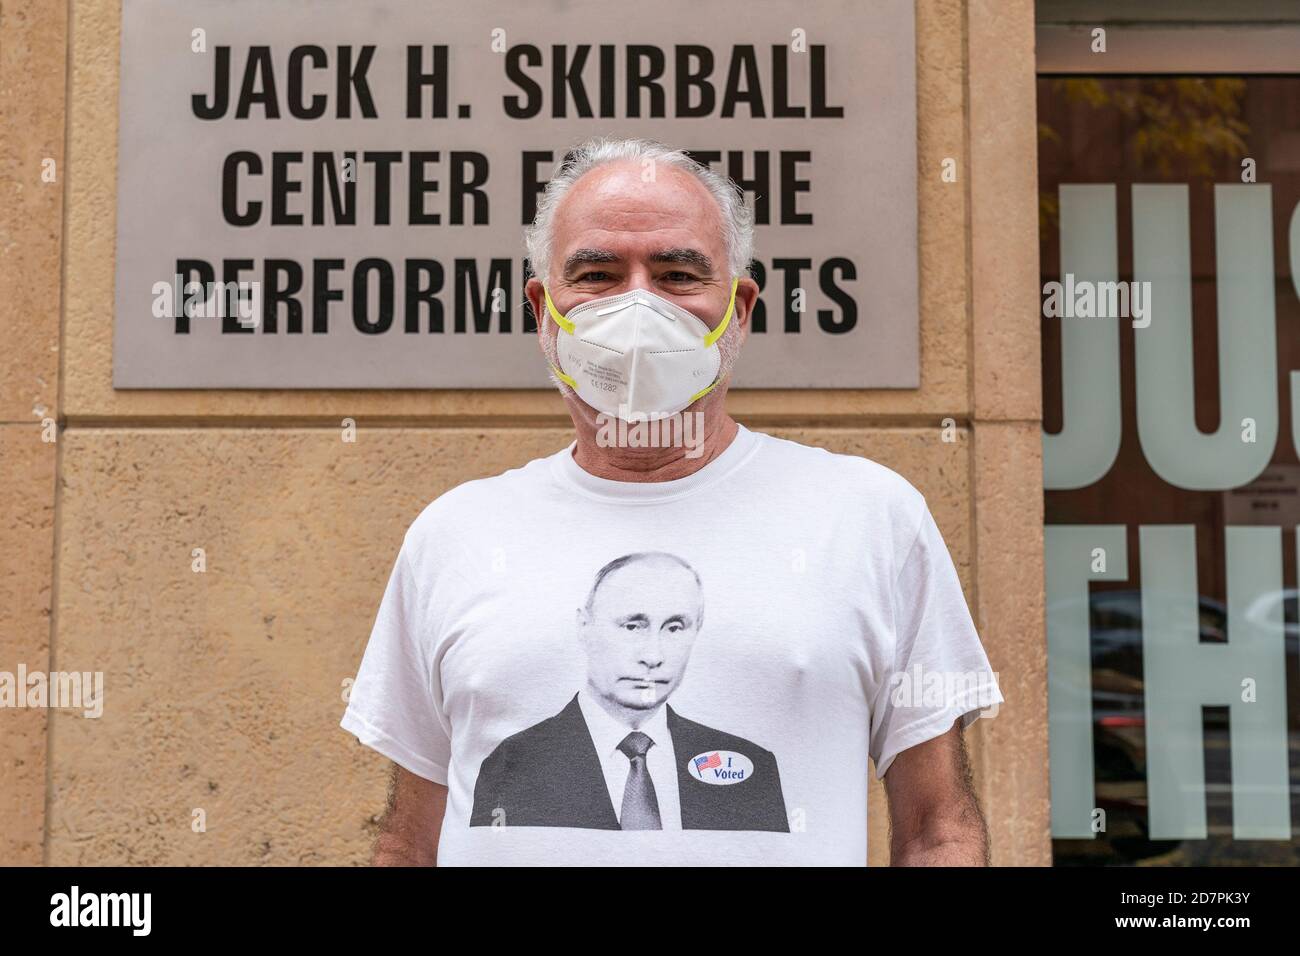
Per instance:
(652,464)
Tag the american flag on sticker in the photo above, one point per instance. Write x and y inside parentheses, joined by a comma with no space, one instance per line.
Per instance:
(707,762)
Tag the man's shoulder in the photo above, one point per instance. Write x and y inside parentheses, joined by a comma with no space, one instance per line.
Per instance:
(477,497)
(849,471)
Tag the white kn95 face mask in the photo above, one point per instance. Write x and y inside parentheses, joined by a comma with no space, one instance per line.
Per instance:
(637,354)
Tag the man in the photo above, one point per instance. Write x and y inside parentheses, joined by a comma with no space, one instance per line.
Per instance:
(617,744)
(832,598)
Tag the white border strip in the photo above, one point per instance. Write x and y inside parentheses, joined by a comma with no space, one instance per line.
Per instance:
(1248,48)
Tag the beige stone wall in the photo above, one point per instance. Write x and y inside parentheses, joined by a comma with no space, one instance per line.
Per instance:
(224,689)
(33,60)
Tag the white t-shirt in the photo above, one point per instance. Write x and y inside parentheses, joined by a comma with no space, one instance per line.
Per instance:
(760,627)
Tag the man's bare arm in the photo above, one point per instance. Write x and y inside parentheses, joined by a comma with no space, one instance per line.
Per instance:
(408,832)
(934,815)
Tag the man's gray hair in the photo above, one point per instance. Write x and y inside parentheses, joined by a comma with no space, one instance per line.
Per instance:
(737,220)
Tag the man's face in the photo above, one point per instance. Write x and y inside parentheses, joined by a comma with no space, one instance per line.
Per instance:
(623,227)
(639,633)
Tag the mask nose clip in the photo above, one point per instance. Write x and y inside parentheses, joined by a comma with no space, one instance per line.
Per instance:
(636,297)
(617,308)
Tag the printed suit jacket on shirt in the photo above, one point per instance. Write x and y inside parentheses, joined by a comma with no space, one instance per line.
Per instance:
(549,775)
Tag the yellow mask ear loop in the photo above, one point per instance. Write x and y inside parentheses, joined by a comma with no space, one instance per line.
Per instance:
(717,334)
(726,319)
(567,380)
(560,320)
(567,326)
(701,393)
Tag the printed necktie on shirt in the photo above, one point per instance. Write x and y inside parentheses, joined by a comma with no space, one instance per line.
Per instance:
(640,807)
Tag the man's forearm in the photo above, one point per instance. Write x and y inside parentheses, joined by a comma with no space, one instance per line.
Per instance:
(961,840)
(412,821)
(964,851)
(391,849)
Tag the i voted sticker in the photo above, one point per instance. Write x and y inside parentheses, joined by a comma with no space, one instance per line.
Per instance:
(721,767)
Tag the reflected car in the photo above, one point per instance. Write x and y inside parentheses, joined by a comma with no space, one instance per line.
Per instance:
(1119,723)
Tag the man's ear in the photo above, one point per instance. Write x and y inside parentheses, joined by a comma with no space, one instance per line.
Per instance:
(746,299)
(536,295)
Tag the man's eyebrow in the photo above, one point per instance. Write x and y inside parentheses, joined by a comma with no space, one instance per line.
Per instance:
(584,256)
(684,256)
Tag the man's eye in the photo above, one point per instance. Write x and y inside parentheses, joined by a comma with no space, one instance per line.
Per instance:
(680,277)
(675,627)
(593,277)
(631,626)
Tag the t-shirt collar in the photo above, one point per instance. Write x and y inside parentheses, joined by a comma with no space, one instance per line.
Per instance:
(572,475)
